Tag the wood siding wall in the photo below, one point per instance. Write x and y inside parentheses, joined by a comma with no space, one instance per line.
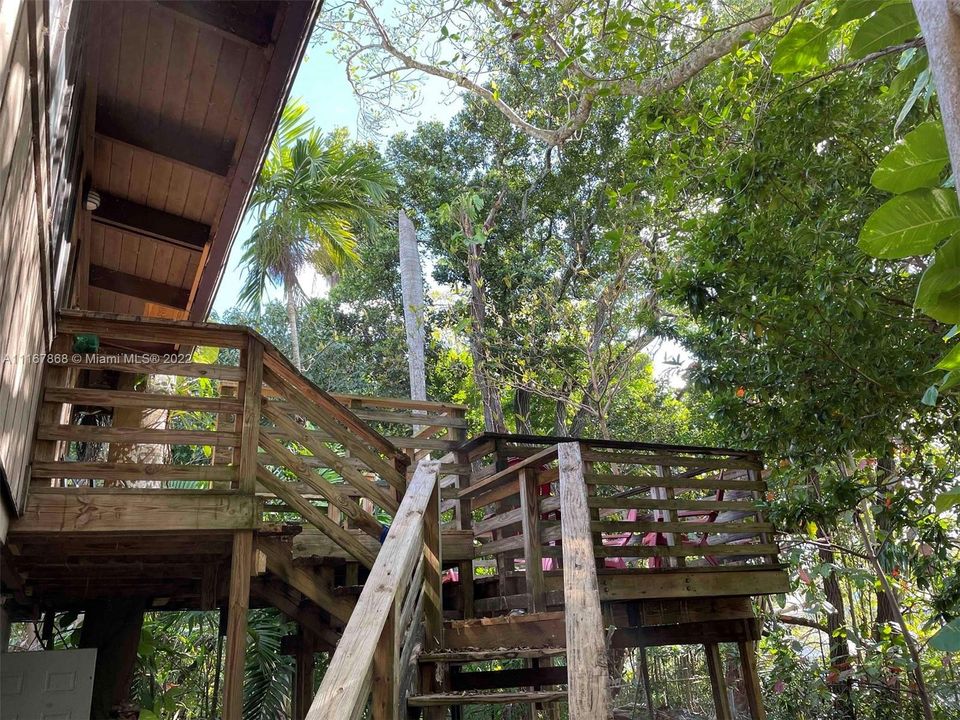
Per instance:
(34,263)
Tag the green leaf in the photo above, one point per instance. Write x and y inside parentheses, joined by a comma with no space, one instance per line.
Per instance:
(950,381)
(947,500)
(806,46)
(911,224)
(782,7)
(916,162)
(930,396)
(923,82)
(938,294)
(950,361)
(850,10)
(892,24)
(947,638)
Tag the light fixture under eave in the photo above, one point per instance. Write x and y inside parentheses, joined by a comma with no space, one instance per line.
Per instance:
(92,200)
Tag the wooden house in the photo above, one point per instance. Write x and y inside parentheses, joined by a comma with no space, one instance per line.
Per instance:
(136,478)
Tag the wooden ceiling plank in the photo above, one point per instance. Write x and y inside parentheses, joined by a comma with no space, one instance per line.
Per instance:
(226,19)
(136,286)
(142,220)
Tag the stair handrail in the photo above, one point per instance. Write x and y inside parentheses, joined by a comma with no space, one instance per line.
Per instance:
(403,590)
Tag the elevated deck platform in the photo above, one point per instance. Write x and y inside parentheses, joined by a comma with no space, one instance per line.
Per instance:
(238,483)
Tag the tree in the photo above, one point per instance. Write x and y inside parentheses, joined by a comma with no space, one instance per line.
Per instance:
(414,318)
(314,193)
(587,51)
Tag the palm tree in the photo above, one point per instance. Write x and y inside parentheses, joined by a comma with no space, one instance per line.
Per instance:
(314,193)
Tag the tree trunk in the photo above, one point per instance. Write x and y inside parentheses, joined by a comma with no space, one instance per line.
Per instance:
(288,288)
(839,655)
(411,286)
(940,23)
(493,419)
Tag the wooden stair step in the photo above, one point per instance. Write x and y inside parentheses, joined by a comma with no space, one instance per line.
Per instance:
(531,630)
(529,677)
(459,657)
(444,699)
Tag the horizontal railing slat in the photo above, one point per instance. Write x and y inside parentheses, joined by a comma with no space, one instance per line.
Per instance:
(139,436)
(131,398)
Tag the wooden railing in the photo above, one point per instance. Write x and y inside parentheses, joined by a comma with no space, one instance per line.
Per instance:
(175,408)
(651,507)
(398,612)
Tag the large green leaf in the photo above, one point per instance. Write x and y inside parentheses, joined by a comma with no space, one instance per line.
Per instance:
(947,638)
(892,24)
(805,46)
(850,10)
(950,361)
(916,162)
(938,294)
(911,224)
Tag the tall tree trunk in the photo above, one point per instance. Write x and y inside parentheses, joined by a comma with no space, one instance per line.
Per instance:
(288,289)
(493,419)
(836,627)
(411,287)
(940,23)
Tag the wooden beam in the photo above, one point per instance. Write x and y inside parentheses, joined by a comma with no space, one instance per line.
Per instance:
(280,563)
(230,19)
(157,224)
(530,510)
(718,684)
(589,690)
(239,602)
(536,630)
(346,685)
(139,287)
(132,510)
(751,679)
(286,599)
(189,146)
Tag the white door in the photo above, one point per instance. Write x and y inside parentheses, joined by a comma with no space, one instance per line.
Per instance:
(46,685)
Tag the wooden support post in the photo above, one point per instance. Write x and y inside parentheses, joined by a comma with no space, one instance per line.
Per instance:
(303,678)
(533,553)
(645,677)
(717,682)
(386,665)
(464,521)
(589,690)
(239,601)
(751,679)
(251,392)
(432,590)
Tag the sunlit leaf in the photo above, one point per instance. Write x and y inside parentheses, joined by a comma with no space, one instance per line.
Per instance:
(806,46)
(916,162)
(938,294)
(911,224)
(892,24)
(947,638)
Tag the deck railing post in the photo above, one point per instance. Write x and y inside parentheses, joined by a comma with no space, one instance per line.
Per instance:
(669,515)
(533,553)
(589,691)
(239,601)
(251,392)
(386,661)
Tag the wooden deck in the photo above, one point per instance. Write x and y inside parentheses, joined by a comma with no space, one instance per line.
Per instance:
(238,483)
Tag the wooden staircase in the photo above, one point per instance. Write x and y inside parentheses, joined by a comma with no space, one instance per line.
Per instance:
(474,676)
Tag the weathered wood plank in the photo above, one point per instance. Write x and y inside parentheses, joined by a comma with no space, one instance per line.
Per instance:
(133,471)
(347,681)
(316,517)
(589,690)
(134,399)
(236,644)
(145,436)
(103,510)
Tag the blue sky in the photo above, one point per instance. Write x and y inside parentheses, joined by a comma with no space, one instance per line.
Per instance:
(322,83)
